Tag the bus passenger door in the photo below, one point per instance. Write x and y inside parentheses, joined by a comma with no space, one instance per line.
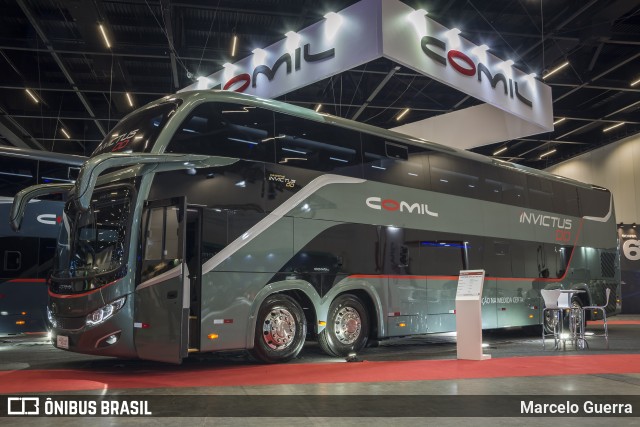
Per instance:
(163,293)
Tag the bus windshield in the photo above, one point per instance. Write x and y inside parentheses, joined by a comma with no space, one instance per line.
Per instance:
(137,132)
(92,243)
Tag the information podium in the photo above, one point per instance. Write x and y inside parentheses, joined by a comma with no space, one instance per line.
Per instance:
(469,315)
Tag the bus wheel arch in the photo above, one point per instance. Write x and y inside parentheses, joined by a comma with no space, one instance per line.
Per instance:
(280,329)
(349,324)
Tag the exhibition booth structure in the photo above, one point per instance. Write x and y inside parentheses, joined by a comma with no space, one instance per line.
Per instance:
(247,243)
(516,104)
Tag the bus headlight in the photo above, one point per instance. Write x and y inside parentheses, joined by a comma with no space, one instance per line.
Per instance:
(102,314)
(52,320)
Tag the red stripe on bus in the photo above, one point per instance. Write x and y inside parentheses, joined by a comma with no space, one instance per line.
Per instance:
(28,281)
(399,276)
(83,294)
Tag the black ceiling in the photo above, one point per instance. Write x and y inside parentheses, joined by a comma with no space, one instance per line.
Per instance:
(54,48)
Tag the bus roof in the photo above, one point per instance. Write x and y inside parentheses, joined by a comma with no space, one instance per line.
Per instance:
(306,113)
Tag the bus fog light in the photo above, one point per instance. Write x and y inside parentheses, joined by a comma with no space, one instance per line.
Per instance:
(112,339)
(108,340)
(104,313)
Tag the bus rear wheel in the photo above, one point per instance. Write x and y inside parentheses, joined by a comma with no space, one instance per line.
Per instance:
(347,327)
(280,330)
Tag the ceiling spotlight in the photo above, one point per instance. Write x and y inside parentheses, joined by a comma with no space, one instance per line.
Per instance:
(259,56)
(32,96)
(555,70)
(293,40)
(104,36)
(233,45)
(480,50)
(502,150)
(612,127)
(129,99)
(417,14)
(547,153)
(452,32)
(401,115)
(65,133)
(333,23)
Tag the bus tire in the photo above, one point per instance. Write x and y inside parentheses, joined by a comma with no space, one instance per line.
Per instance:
(347,327)
(280,330)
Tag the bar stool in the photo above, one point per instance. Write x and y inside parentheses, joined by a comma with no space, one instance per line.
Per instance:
(602,308)
(550,297)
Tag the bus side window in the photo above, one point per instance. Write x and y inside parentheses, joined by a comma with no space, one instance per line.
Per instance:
(565,200)
(317,146)
(394,163)
(54,173)
(594,202)
(229,130)
(16,174)
(12,260)
(456,176)
(540,193)
(491,185)
(497,258)
(513,188)
(47,251)
(19,257)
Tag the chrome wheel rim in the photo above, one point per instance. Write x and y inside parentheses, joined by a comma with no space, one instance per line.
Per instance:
(550,320)
(576,313)
(279,329)
(348,325)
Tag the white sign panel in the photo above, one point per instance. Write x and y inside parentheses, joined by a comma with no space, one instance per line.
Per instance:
(340,42)
(412,39)
(470,284)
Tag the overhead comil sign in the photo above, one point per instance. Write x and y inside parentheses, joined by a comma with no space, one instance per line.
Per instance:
(517,104)
(338,43)
(412,39)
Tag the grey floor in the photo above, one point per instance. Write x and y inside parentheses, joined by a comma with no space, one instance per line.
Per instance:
(30,353)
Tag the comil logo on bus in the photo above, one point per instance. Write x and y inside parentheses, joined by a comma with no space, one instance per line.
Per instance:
(562,225)
(49,219)
(379,203)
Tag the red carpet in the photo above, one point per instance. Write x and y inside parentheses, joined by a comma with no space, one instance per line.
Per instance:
(614,322)
(339,372)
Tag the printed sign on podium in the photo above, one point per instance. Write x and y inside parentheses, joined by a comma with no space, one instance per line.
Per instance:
(469,315)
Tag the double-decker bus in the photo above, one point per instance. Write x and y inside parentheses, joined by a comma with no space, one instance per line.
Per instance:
(27,256)
(210,221)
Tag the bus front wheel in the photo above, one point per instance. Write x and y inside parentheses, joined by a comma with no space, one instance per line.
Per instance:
(280,330)
(347,327)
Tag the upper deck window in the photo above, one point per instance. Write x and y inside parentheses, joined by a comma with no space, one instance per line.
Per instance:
(317,146)
(16,174)
(227,130)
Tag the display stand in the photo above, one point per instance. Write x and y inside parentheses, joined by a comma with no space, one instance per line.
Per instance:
(469,315)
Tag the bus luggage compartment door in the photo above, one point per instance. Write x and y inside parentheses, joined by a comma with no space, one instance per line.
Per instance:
(162,297)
